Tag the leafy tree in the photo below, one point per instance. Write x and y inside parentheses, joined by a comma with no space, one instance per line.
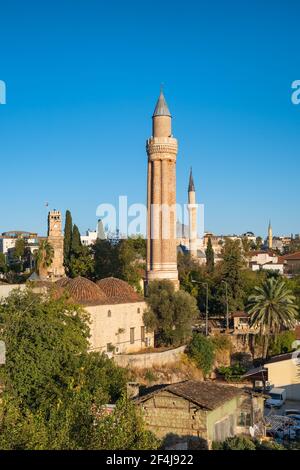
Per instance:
(258,243)
(76,244)
(232,266)
(124,259)
(210,256)
(124,430)
(282,343)
(44,257)
(54,390)
(170,314)
(272,307)
(81,264)
(246,244)
(67,238)
(3,264)
(201,350)
(106,259)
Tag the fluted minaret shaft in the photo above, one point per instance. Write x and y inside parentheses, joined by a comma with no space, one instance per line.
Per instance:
(161,197)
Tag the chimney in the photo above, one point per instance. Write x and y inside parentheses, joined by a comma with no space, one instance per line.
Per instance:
(133,390)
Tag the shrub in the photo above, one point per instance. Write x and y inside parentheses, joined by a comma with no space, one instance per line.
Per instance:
(232,373)
(235,443)
(201,350)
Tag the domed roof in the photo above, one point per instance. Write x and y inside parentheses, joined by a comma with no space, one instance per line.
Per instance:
(118,291)
(85,292)
(62,282)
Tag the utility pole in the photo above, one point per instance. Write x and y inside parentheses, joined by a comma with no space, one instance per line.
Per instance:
(206,304)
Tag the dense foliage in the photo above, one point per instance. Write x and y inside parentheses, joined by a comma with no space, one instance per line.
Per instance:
(170,314)
(53,389)
(201,350)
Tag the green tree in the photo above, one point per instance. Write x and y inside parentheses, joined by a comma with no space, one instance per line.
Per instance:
(54,390)
(258,243)
(82,264)
(282,343)
(246,244)
(76,244)
(44,257)
(210,256)
(124,430)
(272,307)
(170,314)
(67,238)
(3,264)
(232,267)
(201,350)
(124,259)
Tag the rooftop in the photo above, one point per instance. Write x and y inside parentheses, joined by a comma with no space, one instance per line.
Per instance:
(207,395)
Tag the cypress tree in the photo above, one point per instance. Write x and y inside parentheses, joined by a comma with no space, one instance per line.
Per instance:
(76,241)
(210,256)
(68,238)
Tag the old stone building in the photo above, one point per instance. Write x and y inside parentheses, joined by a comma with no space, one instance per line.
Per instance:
(56,239)
(193,414)
(161,197)
(116,314)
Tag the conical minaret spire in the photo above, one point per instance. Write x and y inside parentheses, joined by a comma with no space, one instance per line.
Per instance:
(161,108)
(191,182)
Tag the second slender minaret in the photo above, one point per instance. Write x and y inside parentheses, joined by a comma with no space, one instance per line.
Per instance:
(192,208)
(161,197)
(270,236)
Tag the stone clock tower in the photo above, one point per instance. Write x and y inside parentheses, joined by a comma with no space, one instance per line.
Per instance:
(161,197)
(56,239)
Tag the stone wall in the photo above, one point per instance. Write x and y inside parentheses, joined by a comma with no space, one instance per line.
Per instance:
(119,325)
(151,359)
(5,289)
(174,419)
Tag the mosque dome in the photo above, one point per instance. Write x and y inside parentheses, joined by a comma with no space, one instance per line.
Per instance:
(85,292)
(118,291)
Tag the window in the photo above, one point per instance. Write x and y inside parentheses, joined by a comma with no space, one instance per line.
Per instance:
(138,310)
(131,335)
(244,419)
(109,313)
(143,333)
(109,347)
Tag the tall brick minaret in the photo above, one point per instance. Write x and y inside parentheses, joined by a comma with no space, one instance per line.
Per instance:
(56,239)
(161,197)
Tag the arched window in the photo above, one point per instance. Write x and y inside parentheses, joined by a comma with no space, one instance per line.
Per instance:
(109,313)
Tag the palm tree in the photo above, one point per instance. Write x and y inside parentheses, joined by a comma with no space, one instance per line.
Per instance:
(44,258)
(271,307)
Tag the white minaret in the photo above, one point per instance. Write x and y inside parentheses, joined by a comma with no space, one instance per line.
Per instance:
(192,208)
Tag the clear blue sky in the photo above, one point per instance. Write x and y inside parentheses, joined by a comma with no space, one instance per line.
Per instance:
(82,81)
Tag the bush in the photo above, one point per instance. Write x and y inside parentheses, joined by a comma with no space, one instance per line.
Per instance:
(201,350)
(221,343)
(235,443)
(232,373)
(282,343)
